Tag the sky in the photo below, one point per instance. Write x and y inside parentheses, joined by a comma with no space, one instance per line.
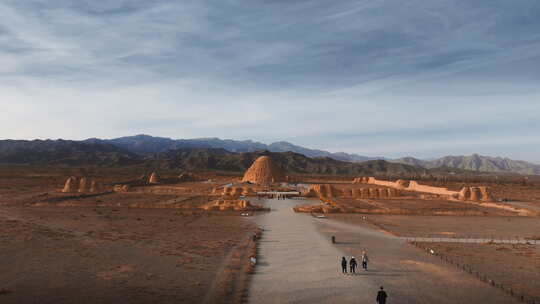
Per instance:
(377,78)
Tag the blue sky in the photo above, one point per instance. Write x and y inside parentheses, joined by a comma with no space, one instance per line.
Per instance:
(379,78)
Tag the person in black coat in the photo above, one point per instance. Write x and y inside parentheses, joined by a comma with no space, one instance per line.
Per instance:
(381,296)
(343,265)
(353,264)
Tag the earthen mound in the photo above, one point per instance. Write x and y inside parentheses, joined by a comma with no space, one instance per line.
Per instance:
(83,185)
(188,177)
(475,194)
(323,190)
(263,172)
(70,185)
(154,179)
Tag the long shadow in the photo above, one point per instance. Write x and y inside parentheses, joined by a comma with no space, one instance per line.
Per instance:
(347,243)
(367,274)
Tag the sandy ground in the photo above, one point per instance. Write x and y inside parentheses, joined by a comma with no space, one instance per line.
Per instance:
(299,264)
(412,205)
(450,226)
(108,255)
(515,266)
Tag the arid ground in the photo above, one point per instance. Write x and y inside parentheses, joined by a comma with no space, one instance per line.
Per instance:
(156,244)
(82,250)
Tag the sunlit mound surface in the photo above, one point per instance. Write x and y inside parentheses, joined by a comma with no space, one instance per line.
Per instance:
(263,171)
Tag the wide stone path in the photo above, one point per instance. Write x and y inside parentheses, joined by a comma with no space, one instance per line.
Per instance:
(298,264)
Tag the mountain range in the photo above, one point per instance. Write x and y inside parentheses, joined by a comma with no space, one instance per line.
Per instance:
(133,150)
(103,153)
(193,159)
(475,162)
(144,144)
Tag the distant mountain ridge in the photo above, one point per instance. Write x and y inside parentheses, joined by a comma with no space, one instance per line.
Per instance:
(223,160)
(144,144)
(101,153)
(134,149)
(64,152)
(475,162)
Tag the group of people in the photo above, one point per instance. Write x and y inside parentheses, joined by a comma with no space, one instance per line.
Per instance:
(353,263)
(381,295)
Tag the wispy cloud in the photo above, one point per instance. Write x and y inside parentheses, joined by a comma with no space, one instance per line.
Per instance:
(339,75)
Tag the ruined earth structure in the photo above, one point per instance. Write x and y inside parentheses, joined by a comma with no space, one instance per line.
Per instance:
(466,194)
(153,178)
(70,185)
(328,191)
(81,185)
(263,172)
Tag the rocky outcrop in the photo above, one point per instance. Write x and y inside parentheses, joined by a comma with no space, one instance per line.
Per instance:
(263,172)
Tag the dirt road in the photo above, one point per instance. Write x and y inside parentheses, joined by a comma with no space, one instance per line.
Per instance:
(299,264)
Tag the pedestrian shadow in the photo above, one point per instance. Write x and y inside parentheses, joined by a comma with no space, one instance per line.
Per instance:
(373,274)
(382,273)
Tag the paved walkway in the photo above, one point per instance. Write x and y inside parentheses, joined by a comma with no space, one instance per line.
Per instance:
(298,264)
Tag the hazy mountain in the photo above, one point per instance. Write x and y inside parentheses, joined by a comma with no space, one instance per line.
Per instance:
(65,152)
(283,146)
(223,160)
(144,144)
(142,148)
(96,152)
(475,162)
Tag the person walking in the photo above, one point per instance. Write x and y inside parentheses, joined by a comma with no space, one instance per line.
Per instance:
(343,265)
(365,260)
(381,296)
(353,264)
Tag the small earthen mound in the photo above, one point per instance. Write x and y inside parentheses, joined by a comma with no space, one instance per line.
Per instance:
(485,194)
(360,180)
(95,187)
(69,186)
(402,183)
(263,172)
(188,177)
(154,179)
(121,188)
(83,185)
(475,194)
(324,190)
(464,194)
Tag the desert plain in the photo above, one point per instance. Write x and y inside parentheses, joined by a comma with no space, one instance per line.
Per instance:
(134,235)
